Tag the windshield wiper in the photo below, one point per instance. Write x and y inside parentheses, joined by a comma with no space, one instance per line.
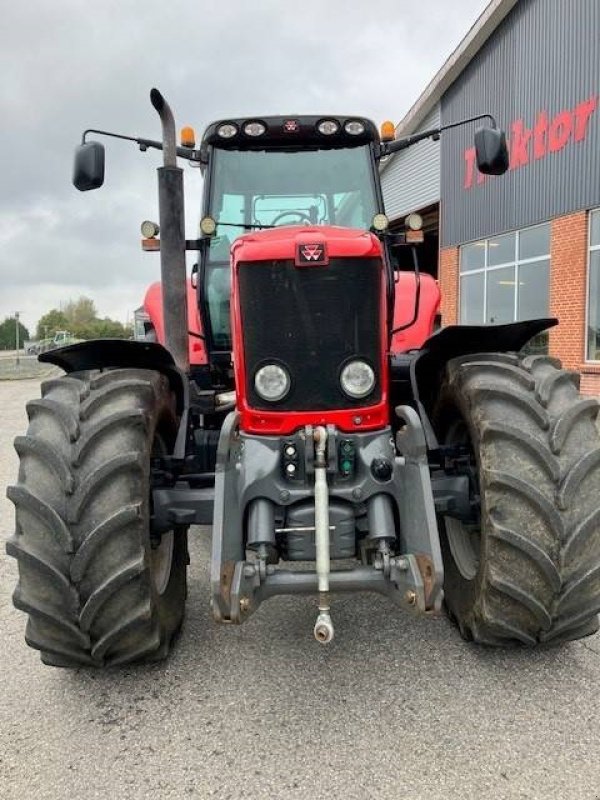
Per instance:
(246,227)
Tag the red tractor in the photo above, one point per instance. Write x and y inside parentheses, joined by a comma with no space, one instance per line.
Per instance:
(293,395)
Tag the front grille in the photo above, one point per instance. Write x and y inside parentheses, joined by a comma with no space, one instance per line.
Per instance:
(313,320)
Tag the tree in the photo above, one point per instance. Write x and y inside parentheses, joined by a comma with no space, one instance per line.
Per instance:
(80,314)
(8,334)
(107,329)
(54,320)
(79,317)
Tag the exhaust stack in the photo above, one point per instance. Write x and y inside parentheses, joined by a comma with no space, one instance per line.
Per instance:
(172,238)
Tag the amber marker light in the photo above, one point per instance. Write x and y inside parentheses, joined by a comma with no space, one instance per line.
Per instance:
(388,131)
(188,137)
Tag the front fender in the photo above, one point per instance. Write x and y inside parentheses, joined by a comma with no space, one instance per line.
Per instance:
(427,368)
(119,354)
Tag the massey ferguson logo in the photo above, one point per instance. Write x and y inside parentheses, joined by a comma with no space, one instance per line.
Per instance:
(313,254)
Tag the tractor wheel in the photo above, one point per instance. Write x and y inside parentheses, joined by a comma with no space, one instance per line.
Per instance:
(529,570)
(98,589)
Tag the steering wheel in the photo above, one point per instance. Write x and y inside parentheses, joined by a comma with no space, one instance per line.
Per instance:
(301,214)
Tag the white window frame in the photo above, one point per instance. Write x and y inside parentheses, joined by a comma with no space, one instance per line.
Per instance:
(516,263)
(591,248)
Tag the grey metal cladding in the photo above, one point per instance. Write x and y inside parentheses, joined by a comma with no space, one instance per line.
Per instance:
(544,57)
(411,180)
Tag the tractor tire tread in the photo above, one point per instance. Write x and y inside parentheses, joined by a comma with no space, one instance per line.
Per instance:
(82,539)
(538,453)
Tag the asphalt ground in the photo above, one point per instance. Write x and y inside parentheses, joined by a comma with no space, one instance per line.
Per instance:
(395,707)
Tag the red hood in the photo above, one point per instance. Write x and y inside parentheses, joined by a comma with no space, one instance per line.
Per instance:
(282,242)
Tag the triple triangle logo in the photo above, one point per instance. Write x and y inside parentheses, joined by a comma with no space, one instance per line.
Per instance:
(311,254)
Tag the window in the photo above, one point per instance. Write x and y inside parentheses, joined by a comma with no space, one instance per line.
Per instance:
(593,326)
(507,278)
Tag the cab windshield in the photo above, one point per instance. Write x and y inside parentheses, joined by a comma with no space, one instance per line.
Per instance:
(257,188)
(252,189)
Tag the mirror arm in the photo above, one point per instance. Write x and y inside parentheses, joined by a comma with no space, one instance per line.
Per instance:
(144,144)
(386,148)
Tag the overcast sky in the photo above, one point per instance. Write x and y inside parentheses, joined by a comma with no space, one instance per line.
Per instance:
(66,65)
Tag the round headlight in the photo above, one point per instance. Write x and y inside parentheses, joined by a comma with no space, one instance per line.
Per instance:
(227,130)
(357,379)
(328,126)
(272,382)
(254,129)
(354,127)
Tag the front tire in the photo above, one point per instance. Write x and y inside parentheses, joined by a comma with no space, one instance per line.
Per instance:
(529,571)
(98,590)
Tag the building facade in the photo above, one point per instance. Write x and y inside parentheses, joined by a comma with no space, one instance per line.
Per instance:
(525,244)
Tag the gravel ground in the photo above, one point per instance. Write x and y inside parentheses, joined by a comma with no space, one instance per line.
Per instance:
(28,367)
(394,708)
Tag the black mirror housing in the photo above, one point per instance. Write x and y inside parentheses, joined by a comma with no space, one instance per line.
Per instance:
(88,168)
(491,151)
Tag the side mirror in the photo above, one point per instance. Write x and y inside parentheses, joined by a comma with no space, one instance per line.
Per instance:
(491,151)
(88,169)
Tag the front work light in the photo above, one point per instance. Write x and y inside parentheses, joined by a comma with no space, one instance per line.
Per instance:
(272,382)
(357,379)
(328,126)
(208,226)
(413,222)
(254,128)
(354,127)
(149,229)
(227,130)
(380,223)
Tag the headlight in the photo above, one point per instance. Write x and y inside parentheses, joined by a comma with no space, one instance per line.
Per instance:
(357,379)
(227,130)
(272,382)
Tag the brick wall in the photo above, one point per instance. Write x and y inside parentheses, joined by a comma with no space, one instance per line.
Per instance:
(448,281)
(568,253)
(568,294)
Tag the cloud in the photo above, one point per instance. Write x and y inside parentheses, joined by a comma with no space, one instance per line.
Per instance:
(70,65)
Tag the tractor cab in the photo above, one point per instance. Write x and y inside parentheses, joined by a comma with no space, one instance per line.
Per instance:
(270,172)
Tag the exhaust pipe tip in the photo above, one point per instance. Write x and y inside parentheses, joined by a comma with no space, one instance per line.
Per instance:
(323,629)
